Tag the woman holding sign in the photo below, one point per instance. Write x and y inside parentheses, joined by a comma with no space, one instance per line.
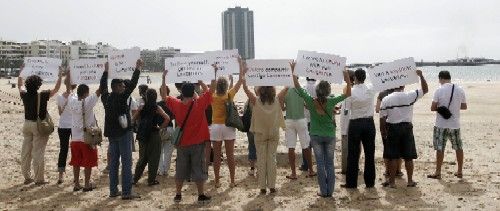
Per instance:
(322,131)
(35,141)
(218,130)
(267,118)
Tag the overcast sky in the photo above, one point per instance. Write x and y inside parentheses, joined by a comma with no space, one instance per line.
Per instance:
(362,31)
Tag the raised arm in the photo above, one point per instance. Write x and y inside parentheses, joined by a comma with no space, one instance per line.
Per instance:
(163,87)
(20,80)
(58,83)
(251,96)
(423,83)
(295,78)
(135,78)
(231,81)
(103,84)
(241,77)
(347,79)
(213,83)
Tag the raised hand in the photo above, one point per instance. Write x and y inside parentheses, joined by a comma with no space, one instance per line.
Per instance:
(292,65)
(106,67)
(419,73)
(139,64)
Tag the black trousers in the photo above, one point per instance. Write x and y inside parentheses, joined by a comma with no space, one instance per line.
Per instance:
(64,135)
(149,155)
(361,131)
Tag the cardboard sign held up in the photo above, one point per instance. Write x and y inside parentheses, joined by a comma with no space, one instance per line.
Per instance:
(393,74)
(320,66)
(263,72)
(86,71)
(46,68)
(122,62)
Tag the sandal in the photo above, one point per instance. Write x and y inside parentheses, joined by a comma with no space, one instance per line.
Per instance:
(411,184)
(77,188)
(459,175)
(434,176)
(291,177)
(87,189)
(387,184)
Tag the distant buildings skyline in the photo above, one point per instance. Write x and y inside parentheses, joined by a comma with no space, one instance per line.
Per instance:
(238,31)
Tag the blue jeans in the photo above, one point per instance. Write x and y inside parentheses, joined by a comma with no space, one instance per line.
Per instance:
(121,147)
(252,152)
(323,151)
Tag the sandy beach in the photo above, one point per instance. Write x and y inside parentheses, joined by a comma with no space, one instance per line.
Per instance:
(478,190)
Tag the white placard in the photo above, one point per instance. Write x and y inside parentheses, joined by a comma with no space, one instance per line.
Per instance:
(189,69)
(226,61)
(393,74)
(122,62)
(86,71)
(320,66)
(46,68)
(269,72)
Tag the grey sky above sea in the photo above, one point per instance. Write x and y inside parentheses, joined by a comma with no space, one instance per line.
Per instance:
(362,31)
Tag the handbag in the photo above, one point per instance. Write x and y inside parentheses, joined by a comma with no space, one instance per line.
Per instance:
(247,118)
(445,111)
(124,119)
(177,134)
(91,135)
(45,126)
(233,118)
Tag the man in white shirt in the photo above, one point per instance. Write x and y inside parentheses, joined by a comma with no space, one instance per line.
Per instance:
(82,155)
(361,131)
(452,97)
(310,87)
(396,112)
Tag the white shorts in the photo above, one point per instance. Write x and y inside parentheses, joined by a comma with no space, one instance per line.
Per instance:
(219,132)
(294,128)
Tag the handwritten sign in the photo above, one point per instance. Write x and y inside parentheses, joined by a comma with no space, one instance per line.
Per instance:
(320,66)
(393,74)
(226,61)
(86,71)
(269,72)
(46,68)
(122,62)
(189,69)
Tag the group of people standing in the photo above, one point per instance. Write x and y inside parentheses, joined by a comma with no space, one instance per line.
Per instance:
(194,123)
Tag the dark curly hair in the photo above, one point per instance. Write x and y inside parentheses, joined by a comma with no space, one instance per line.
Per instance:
(33,83)
(267,94)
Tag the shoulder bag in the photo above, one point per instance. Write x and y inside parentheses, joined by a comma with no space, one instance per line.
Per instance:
(233,118)
(445,111)
(91,135)
(45,126)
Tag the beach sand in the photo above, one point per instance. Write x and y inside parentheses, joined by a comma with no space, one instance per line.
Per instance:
(478,190)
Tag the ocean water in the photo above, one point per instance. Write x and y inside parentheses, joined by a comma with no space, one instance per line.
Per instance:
(458,74)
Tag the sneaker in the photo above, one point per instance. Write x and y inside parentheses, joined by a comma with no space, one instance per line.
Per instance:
(178,198)
(204,199)
(114,195)
(131,196)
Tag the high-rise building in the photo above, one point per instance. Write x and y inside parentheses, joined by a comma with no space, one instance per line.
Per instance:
(237,31)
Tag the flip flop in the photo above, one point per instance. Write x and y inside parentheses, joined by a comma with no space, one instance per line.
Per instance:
(290,177)
(75,189)
(434,176)
(459,175)
(411,184)
(387,184)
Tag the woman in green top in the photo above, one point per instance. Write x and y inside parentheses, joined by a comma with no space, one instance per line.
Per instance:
(322,131)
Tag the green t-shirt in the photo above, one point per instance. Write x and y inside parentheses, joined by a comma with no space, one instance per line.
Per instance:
(294,105)
(321,125)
